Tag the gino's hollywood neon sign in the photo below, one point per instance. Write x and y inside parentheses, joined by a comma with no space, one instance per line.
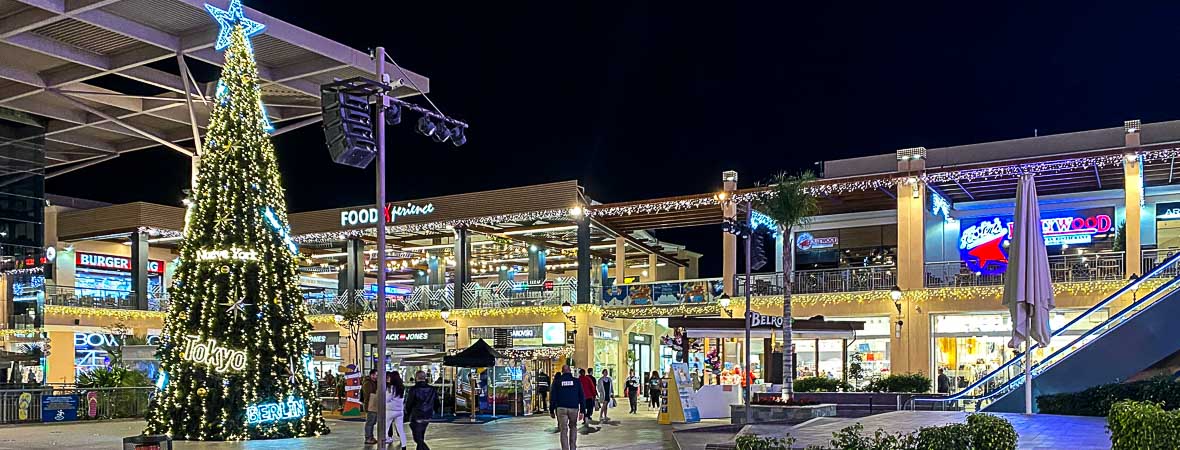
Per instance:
(983,243)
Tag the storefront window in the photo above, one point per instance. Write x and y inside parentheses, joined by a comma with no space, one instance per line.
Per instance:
(846,247)
(969,346)
(407,351)
(606,353)
(871,346)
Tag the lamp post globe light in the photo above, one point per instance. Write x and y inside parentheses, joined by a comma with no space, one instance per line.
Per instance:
(724,300)
(566,307)
(445,313)
(895,293)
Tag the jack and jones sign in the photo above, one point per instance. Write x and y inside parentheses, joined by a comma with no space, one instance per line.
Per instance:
(112,262)
(368,216)
(983,242)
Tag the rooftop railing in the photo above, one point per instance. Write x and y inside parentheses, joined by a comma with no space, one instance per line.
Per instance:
(844,279)
(1062,269)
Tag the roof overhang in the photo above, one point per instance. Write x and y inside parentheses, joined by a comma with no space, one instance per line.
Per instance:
(111,76)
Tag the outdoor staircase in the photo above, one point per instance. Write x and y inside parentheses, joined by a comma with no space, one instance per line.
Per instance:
(1129,341)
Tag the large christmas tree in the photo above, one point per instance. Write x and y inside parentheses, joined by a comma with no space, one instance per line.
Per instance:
(235,353)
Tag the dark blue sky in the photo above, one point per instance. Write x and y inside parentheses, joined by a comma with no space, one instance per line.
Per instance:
(651,99)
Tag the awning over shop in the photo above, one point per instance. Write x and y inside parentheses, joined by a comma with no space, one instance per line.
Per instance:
(813,328)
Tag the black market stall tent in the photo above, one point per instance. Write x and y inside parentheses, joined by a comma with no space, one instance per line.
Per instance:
(479,354)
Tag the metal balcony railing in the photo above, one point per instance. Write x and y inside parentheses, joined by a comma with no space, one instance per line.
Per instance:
(87,297)
(1152,258)
(845,279)
(1062,269)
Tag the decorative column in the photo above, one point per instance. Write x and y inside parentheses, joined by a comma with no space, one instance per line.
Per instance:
(729,244)
(1133,198)
(620,259)
(536,263)
(584,260)
(139,269)
(462,264)
(653,262)
(911,343)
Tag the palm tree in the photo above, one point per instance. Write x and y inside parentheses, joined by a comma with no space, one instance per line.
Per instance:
(788,204)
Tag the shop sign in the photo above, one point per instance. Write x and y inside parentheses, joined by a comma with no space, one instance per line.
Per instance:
(410,338)
(112,262)
(521,336)
(366,216)
(59,408)
(603,333)
(1167,211)
(320,342)
(983,245)
(553,333)
(640,339)
(805,242)
(757,320)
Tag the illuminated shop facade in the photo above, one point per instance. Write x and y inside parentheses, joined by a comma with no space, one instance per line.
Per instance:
(502,263)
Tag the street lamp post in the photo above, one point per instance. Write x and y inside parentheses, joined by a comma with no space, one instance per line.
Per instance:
(748,230)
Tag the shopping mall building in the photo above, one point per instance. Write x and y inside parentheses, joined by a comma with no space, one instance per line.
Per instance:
(502,263)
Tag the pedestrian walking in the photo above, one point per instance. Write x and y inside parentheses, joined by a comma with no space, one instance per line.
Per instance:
(542,382)
(606,394)
(420,401)
(368,387)
(565,404)
(395,402)
(590,392)
(631,390)
(653,390)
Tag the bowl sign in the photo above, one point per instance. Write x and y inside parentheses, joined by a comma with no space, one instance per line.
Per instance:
(805,241)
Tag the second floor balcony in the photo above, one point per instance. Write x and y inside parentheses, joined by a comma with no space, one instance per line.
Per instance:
(1062,269)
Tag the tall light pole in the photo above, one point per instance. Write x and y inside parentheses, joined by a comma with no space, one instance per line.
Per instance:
(379,135)
(747,231)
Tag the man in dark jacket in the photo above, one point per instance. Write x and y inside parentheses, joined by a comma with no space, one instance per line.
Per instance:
(565,403)
(542,383)
(368,387)
(420,401)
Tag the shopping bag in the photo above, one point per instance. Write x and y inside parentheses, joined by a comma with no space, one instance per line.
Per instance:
(613,404)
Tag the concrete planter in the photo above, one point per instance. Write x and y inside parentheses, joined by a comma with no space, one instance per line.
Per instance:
(769,413)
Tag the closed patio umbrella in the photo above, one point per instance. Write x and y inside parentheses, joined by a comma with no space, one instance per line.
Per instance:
(1028,290)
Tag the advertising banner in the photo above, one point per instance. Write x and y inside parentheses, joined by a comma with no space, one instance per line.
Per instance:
(682,404)
(59,408)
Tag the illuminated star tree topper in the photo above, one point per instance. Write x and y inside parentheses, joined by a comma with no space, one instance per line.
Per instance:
(227,19)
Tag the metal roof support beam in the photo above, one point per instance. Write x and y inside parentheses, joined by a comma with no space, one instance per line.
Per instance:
(83,165)
(188,101)
(137,130)
(636,243)
(965,191)
(300,124)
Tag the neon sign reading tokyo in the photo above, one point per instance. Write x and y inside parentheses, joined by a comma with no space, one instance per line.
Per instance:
(983,246)
(365,216)
(220,358)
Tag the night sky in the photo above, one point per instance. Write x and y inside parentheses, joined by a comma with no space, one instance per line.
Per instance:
(637,100)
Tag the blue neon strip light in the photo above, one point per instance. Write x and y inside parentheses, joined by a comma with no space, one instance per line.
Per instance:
(259,413)
(284,232)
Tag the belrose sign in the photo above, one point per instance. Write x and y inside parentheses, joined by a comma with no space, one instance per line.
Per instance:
(757,320)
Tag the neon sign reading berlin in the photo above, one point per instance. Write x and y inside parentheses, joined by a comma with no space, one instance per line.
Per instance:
(220,358)
(292,408)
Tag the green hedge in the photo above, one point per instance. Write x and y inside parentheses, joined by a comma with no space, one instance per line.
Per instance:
(905,382)
(1096,401)
(754,442)
(1143,426)
(981,432)
(820,384)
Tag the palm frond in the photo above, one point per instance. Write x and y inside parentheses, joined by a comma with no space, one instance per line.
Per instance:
(787,202)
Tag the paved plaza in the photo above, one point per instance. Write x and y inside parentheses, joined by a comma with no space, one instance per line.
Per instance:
(1037,432)
(626,432)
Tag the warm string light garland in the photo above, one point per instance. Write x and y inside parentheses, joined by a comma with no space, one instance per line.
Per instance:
(545,353)
(649,312)
(331,236)
(105,313)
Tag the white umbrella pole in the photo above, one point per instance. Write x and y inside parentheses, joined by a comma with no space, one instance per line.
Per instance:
(1028,369)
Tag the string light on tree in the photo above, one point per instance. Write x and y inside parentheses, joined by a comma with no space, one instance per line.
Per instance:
(221,363)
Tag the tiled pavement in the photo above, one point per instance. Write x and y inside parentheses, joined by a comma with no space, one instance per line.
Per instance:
(637,432)
(1037,432)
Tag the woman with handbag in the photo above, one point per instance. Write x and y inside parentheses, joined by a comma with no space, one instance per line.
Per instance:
(606,392)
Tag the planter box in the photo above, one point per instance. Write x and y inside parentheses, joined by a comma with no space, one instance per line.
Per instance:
(769,413)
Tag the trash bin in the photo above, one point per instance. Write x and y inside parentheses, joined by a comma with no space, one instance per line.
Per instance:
(148,442)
